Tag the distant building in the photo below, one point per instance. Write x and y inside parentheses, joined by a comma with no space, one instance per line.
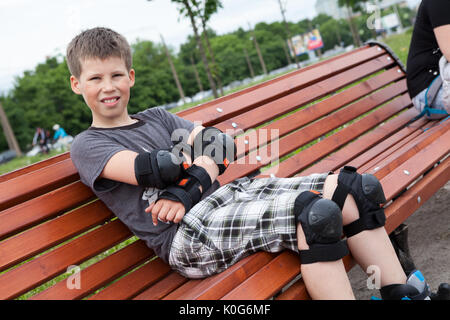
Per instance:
(383,4)
(331,8)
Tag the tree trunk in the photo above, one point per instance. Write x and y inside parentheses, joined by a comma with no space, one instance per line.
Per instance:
(258,51)
(174,71)
(288,33)
(9,134)
(199,83)
(353,29)
(201,49)
(216,74)
(250,67)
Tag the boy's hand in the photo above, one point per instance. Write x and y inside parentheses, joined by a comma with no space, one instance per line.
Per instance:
(166,210)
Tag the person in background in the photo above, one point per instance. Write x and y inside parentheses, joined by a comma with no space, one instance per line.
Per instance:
(428,70)
(59,132)
(40,138)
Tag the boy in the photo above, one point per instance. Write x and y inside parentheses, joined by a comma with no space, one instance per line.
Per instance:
(132,163)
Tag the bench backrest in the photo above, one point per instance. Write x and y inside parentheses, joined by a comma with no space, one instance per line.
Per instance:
(350,109)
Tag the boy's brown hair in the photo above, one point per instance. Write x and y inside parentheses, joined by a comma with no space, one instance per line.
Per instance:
(99,43)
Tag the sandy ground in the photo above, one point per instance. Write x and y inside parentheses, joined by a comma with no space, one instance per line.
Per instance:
(429,243)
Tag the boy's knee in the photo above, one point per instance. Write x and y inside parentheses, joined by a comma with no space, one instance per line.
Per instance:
(363,193)
(320,221)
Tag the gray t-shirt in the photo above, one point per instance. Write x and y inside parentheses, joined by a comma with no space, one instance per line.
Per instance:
(92,149)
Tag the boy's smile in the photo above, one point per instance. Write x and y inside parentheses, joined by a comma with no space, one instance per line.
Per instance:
(105,86)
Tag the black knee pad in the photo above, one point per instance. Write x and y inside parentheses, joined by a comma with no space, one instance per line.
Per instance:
(368,193)
(321,221)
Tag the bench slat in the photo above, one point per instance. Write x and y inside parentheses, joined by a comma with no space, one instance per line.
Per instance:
(407,151)
(264,94)
(33,167)
(37,271)
(389,141)
(135,282)
(48,234)
(215,287)
(40,209)
(306,115)
(309,133)
(416,165)
(236,95)
(319,150)
(163,287)
(28,186)
(359,149)
(285,266)
(100,273)
(283,105)
(409,201)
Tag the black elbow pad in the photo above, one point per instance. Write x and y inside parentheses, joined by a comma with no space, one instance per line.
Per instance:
(219,146)
(157,168)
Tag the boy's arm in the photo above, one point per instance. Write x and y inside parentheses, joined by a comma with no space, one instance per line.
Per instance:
(120,166)
(442,34)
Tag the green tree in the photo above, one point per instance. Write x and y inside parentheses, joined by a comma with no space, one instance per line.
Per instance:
(352,5)
(187,9)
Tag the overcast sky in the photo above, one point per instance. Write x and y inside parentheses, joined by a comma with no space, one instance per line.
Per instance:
(31,30)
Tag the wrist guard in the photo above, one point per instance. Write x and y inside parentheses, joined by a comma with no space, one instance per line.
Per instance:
(186,190)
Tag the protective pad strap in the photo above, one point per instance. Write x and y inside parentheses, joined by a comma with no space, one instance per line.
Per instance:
(342,190)
(328,252)
(201,175)
(371,220)
(188,199)
(157,168)
(368,195)
(186,190)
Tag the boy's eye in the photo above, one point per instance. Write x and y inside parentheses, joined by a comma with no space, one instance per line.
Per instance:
(117,75)
(95,78)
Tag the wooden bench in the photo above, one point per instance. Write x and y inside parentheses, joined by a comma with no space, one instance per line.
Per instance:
(352,109)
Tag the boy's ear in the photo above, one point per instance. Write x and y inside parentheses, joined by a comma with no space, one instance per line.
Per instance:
(74,83)
(132,75)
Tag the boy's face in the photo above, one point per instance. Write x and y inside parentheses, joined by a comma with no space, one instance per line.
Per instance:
(105,86)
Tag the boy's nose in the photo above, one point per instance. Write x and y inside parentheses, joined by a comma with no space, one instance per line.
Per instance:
(108,86)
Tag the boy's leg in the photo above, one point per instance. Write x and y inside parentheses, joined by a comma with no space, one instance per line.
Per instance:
(324,280)
(369,247)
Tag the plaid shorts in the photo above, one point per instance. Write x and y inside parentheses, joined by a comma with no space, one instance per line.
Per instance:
(240,218)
